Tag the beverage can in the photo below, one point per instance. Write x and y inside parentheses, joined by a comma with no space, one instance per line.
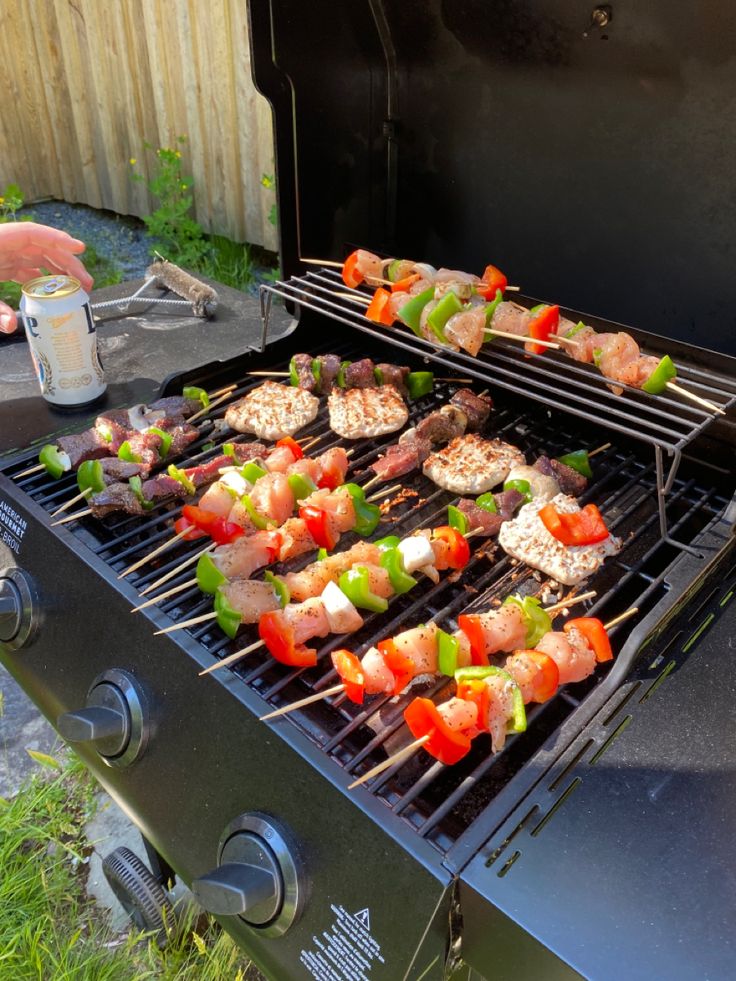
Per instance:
(62,339)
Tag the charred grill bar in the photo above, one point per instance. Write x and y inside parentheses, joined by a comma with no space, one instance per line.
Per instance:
(428,864)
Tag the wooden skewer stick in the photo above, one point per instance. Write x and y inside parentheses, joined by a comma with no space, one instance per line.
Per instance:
(322,262)
(72,517)
(335,690)
(400,755)
(27,473)
(162,596)
(600,449)
(355,297)
(570,601)
(224,391)
(177,569)
(383,493)
(673,387)
(269,374)
(621,617)
(310,443)
(374,480)
(521,337)
(186,623)
(231,658)
(210,407)
(73,500)
(157,551)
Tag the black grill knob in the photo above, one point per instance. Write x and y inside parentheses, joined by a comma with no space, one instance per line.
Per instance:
(113,719)
(19,609)
(11,610)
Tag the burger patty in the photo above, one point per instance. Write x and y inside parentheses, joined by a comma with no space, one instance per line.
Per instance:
(272,411)
(356,413)
(471,464)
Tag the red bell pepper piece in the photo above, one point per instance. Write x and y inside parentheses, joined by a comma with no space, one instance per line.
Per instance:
(471,626)
(331,477)
(584,527)
(492,279)
(475,690)
(542,324)
(278,636)
(193,532)
(351,673)
(200,517)
(547,681)
(458,553)
(272,540)
(351,275)
(378,309)
(445,744)
(223,532)
(400,665)
(293,446)
(403,285)
(595,633)
(318,526)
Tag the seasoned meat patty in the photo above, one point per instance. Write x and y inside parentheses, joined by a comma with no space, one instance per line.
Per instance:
(272,411)
(471,464)
(356,413)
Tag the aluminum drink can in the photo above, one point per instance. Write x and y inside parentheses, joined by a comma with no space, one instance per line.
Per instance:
(62,340)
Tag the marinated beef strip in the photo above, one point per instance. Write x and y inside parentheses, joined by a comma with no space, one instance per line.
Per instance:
(488,523)
(80,447)
(360,374)
(116,497)
(303,366)
(394,374)
(329,367)
(477,408)
(571,482)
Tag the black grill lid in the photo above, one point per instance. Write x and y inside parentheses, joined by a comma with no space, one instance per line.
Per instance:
(592,163)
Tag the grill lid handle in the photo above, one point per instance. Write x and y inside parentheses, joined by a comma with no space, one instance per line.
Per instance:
(233,889)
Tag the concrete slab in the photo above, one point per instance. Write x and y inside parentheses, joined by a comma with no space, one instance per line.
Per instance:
(22,727)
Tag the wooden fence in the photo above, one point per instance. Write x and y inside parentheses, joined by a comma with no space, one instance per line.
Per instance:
(85,82)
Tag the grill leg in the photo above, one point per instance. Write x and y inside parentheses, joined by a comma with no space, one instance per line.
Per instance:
(162,871)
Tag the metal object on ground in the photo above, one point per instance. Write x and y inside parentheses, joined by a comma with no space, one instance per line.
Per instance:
(198,297)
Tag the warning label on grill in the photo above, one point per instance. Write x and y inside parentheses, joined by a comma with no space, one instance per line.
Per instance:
(345,952)
(12,527)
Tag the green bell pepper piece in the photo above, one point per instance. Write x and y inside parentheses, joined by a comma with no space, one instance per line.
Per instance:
(340,380)
(378,375)
(447,650)
(90,476)
(105,432)
(419,383)
(227,617)
(293,374)
(401,581)
(487,502)
(576,329)
(207,447)
(392,273)
(522,486)
(194,392)
(55,460)
(181,476)
(317,371)
(252,472)
(597,355)
(209,576)
(537,308)
(229,449)
(537,620)
(322,554)
(411,311)
(163,450)
(448,306)
(126,453)
(279,587)
(367,515)
(389,542)
(300,485)
(517,722)
(456,519)
(355,583)
(491,307)
(136,486)
(577,460)
(657,381)
(260,521)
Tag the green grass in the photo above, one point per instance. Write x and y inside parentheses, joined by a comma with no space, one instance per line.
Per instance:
(49,930)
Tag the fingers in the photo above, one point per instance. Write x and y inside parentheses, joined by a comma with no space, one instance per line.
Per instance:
(21,234)
(59,260)
(8,321)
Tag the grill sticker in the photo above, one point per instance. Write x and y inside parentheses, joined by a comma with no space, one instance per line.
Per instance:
(12,527)
(346,951)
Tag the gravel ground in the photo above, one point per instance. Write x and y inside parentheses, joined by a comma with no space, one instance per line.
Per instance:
(124,240)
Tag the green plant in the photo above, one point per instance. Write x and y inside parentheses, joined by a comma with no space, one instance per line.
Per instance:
(171,225)
(104,271)
(268,181)
(10,200)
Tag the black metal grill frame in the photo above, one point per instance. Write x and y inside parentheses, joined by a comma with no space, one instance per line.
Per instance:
(437,803)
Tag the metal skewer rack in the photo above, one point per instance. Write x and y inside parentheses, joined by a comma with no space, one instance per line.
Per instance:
(665,422)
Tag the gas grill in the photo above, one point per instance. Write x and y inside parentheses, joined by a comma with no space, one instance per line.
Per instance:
(528,863)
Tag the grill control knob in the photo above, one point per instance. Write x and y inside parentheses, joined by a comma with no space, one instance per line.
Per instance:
(113,719)
(256,877)
(11,609)
(19,608)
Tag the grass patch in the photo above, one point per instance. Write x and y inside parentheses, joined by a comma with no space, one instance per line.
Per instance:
(50,930)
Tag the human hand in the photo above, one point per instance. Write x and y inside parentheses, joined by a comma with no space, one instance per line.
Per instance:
(26,248)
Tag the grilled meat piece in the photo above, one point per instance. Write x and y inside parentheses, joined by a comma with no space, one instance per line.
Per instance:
(114,469)
(329,366)
(360,374)
(401,458)
(477,408)
(508,503)
(489,523)
(160,487)
(116,497)
(360,412)
(472,465)
(571,482)
(443,425)
(394,374)
(176,405)
(244,452)
(303,366)
(181,436)
(272,411)
(114,426)
(511,318)
(89,445)
(527,539)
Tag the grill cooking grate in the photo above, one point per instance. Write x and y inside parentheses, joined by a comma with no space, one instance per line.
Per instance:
(438,803)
